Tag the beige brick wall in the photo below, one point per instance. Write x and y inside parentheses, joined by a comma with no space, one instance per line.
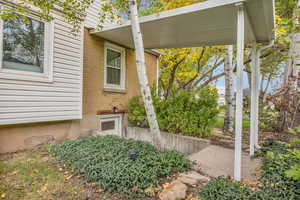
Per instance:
(94,97)
(27,136)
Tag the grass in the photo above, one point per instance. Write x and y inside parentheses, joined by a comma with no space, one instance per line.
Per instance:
(28,176)
(220,123)
(33,175)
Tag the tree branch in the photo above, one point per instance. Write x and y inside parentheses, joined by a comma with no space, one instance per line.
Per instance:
(172,77)
(198,69)
(211,79)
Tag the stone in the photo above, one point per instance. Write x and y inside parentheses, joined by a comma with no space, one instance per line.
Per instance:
(192,178)
(173,191)
(37,141)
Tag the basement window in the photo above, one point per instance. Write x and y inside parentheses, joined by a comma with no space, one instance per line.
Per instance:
(111,124)
(114,68)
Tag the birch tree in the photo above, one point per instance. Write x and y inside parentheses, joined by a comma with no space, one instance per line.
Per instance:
(288,24)
(141,69)
(229,94)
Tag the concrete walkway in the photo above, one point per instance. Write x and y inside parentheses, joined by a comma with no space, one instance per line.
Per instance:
(217,161)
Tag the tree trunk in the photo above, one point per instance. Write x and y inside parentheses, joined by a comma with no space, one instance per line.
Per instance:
(229,114)
(142,75)
(292,67)
(291,77)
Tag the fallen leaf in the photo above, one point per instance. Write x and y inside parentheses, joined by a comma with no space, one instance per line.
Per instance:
(67,178)
(3,196)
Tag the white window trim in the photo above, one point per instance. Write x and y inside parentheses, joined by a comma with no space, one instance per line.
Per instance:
(112,117)
(47,75)
(113,87)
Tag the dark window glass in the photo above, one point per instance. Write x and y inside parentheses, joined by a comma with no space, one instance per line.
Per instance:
(109,125)
(23,45)
(113,71)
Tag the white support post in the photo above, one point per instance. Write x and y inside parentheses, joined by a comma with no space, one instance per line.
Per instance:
(239,91)
(254,99)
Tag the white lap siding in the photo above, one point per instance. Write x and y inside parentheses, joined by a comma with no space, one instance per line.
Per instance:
(30,101)
(92,17)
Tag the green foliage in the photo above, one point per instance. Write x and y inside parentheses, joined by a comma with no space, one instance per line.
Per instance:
(294,131)
(155,6)
(276,184)
(223,188)
(268,117)
(294,172)
(294,140)
(280,178)
(73,11)
(106,160)
(182,112)
(137,112)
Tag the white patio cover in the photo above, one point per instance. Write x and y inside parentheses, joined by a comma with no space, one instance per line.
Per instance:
(213,22)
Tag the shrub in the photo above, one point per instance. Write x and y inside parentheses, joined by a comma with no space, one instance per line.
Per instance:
(275,180)
(182,112)
(223,188)
(106,160)
(268,117)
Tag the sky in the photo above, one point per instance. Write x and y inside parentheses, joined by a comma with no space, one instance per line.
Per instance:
(273,85)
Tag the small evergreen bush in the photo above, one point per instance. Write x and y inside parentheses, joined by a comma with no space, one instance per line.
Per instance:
(107,161)
(182,112)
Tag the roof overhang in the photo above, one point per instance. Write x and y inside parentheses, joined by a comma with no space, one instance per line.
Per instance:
(210,23)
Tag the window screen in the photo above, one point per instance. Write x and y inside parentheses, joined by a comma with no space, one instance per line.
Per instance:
(23,45)
(113,67)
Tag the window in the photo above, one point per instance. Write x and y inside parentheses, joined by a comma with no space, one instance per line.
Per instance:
(108,125)
(114,68)
(111,124)
(26,49)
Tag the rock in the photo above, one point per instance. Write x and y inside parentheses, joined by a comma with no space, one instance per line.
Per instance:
(175,190)
(37,141)
(192,178)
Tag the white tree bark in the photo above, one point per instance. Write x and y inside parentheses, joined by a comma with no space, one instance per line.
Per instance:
(292,66)
(229,94)
(142,75)
(291,74)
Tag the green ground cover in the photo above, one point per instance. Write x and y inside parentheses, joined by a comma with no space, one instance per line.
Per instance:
(107,160)
(280,178)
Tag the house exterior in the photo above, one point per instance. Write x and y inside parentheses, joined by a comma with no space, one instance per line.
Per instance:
(63,86)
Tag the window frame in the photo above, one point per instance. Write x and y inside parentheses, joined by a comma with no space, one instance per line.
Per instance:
(117,118)
(122,51)
(47,75)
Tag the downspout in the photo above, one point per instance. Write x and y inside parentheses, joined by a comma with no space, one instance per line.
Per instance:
(259,51)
